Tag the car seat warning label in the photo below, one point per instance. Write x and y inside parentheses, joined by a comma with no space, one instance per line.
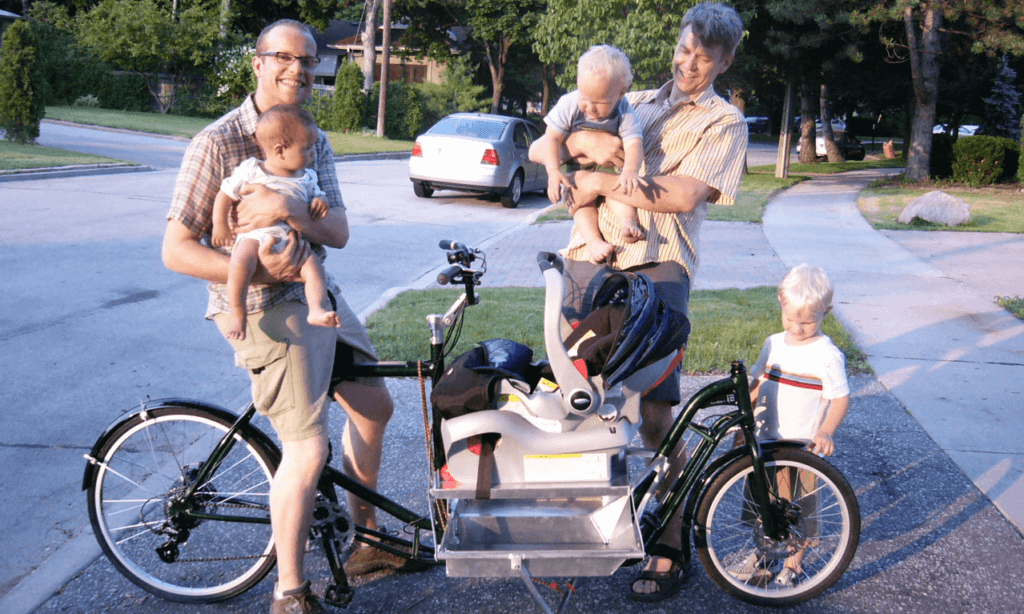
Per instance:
(565,467)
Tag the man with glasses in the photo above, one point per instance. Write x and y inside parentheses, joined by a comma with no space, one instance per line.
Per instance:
(289,361)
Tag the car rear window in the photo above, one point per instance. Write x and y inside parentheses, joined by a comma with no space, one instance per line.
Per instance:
(474,128)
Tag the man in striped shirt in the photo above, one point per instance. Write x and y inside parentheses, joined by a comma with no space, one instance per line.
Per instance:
(694,152)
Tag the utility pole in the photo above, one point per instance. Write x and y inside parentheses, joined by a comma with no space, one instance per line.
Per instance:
(385,68)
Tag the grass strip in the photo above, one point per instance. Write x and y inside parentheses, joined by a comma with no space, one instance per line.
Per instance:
(1013,304)
(176,125)
(14,156)
(727,325)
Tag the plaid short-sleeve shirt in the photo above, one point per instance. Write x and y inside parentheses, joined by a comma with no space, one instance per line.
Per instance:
(706,139)
(212,155)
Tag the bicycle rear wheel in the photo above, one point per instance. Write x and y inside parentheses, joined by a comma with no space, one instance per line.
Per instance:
(822,539)
(154,536)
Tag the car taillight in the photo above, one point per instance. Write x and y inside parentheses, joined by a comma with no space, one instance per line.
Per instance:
(417,151)
(491,157)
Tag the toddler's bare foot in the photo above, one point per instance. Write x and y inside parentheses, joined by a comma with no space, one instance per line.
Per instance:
(631,232)
(237,330)
(600,251)
(319,317)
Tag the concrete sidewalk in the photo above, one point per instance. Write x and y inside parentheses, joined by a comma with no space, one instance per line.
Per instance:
(952,357)
(920,305)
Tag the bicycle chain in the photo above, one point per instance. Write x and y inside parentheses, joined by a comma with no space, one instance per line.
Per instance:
(226,558)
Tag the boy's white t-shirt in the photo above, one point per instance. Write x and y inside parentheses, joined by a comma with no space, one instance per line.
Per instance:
(797,384)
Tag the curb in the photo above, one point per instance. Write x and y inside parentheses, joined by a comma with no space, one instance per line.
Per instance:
(62,122)
(430,276)
(384,155)
(78,170)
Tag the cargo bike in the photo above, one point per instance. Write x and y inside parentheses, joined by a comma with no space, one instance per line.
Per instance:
(534,477)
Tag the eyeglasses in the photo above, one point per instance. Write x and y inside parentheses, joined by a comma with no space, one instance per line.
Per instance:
(287,59)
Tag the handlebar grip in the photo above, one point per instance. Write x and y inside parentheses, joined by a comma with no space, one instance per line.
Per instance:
(446,276)
(449,244)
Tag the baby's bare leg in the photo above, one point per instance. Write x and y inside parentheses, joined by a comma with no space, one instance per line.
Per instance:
(628,220)
(586,221)
(244,258)
(320,311)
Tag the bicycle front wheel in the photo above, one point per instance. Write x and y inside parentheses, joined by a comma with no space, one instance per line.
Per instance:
(208,547)
(820,508)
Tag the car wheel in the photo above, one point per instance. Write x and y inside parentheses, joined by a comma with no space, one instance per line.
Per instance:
(510,199)
(422,190)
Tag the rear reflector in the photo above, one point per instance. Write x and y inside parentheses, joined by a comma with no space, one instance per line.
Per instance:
(491,157)
(417,151)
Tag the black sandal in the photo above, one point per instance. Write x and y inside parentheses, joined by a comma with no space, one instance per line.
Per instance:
(668,582)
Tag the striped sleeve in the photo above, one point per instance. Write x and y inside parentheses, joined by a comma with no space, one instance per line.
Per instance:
(197,185)
(717,157)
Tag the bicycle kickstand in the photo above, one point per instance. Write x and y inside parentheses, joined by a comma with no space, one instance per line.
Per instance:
(517,565)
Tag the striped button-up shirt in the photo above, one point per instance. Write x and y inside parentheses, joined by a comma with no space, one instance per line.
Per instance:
(211,157)
(706,139)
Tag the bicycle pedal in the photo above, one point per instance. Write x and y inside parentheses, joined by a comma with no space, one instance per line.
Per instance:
(338,597)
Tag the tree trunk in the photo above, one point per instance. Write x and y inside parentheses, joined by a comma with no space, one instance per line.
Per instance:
(369,40)
(225,18)
(924,68)
(385,68)
(738,98)
(547,72)
(497,66)
(831,150)
(807,153)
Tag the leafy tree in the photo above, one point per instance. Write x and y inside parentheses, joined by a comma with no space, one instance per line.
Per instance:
(497,25)
(456,92)
(1002,108)
(991,26)
(646,31)
(349,99)
(21,101)
(142,37)
(231,77)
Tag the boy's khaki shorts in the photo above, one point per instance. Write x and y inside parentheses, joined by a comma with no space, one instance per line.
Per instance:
(290,364)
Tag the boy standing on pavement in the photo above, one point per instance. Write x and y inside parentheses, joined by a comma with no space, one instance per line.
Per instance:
(694,148)
(289,360)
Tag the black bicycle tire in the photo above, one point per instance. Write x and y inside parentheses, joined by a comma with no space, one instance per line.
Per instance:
(838,563)
(107,448)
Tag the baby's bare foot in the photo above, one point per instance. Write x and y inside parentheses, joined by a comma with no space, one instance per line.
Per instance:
(236,331)
(600,251)
(318,317)
(631,233)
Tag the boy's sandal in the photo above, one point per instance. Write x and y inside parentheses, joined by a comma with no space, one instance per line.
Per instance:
(668,582)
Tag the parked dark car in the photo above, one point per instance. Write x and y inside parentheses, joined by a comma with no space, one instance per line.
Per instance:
(477,152)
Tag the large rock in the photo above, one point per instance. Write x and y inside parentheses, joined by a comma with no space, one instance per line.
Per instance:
(937,207)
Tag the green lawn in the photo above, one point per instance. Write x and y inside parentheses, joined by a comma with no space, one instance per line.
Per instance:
(174,125)
(13,156)
(727,325)
(993,209)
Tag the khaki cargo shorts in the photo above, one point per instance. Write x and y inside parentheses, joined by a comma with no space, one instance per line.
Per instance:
(290,364)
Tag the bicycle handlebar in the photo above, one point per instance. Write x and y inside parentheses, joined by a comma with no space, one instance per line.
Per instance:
(448,275)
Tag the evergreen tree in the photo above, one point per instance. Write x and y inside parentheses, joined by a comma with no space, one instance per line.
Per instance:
(21,99)
(349,99)
(1002,108)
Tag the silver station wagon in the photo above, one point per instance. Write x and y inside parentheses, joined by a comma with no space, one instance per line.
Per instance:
(477,152)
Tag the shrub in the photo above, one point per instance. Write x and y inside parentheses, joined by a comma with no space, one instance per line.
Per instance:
(231,78)
(941,162)
(406,111)
(124,92)
(21,97)
(1020,167)
(984,160)
(88,101)
(349,99)
(319,106)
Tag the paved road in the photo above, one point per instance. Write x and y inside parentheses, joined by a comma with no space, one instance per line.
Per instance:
(91,322)
(148,149)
